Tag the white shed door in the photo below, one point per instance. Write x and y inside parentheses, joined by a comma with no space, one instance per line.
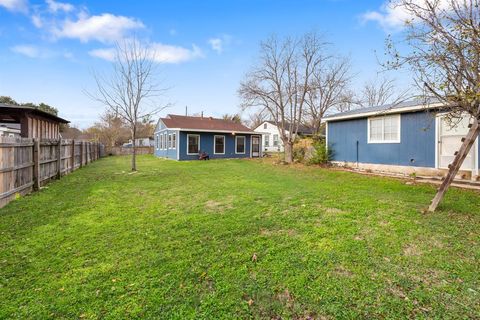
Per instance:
(450,140)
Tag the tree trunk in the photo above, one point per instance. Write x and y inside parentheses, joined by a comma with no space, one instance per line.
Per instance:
(456,164)
(288,145)
(134,154)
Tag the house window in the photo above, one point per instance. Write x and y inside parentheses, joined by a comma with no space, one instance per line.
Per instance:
(164,141)
(157,142)
(384,129)
(267,141)
(160,141)
(174,140)
(240,144)
(169,141)
(219,145)
(193,143)
(275,140)
(264,126)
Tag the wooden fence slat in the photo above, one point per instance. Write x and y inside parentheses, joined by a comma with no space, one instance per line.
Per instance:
(27,164)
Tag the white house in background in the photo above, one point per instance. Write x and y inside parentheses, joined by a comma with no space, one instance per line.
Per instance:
(271,135)
(140,142)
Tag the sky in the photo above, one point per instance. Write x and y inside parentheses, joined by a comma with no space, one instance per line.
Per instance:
(49,49)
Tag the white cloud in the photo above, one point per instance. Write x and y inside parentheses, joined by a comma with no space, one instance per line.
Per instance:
(105,54)
(37,21)
(393,17)
(218,44)
(15,5)
(27,50)
(105,28)
(54,6)
(159,52)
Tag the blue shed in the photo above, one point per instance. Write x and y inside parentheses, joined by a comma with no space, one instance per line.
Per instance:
(404,138)
(186,138)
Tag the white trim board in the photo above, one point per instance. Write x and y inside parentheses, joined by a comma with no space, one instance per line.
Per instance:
(383,112)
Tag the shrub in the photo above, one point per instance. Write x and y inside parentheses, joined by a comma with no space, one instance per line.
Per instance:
(322,155)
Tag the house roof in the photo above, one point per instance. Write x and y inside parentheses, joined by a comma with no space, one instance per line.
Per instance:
(188,123)
(402,107)
(5,108)
(302,129)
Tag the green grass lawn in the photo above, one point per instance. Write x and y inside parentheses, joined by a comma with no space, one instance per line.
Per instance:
(176,240)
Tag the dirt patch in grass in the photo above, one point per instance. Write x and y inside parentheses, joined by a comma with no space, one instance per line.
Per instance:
(411,250)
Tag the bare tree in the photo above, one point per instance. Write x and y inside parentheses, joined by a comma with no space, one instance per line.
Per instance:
(328,89)
(443,38)
(232,117)
(130,89)
(280,82)
(381,91)
(256,118)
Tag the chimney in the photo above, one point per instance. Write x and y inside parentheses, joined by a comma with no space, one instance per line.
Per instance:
(202,114)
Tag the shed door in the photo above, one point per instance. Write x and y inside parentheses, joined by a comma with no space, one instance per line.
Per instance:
(450,140)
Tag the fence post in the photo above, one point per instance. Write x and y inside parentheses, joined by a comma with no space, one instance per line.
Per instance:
(73,155)
(81,154)
(36,164)
(59,158)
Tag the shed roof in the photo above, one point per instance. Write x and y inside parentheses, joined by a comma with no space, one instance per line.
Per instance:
(5,108)
(173,121)
(406,106)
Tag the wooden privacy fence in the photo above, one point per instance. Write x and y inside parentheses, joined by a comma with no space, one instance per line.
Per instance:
(28,164)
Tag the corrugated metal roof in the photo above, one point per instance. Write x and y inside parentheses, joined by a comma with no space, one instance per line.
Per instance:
(35,110)
(203,123)
(302,129)
(397,107)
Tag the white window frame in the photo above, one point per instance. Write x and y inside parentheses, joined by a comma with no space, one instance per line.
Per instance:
(214,143)
(165,141)
(267,141)
(169,141)
(160,141)
(265,126)
(157,142)
(188,138)
(275,142)
(244,144)
(174,140)
(399,124)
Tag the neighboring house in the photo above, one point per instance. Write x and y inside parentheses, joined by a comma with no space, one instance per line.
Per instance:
(185,138)
(140,142)
(405,138)
(10,130)
(271,135)
(32,122)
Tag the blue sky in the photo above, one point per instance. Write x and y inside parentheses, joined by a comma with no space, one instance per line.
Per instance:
(48,48)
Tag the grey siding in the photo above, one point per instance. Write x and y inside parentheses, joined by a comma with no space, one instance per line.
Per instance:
(169,153)
(348,141)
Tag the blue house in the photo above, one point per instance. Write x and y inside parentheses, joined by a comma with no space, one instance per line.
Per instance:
(186,138)
(403,138)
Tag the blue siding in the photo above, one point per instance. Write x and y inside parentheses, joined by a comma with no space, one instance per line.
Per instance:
(416,147)
(170,153)
(207,143)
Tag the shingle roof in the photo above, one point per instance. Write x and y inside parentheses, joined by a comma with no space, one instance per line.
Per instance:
(302,129)
(203,123)
(7,107)
(397,107)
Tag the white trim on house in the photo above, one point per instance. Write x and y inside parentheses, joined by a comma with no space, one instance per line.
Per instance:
(169,141)
(383,112)
(437,139)
(174,140)
(178,145)
(399,128)
(244,144)
(193,134)
(259,136)
(326,136)
(215,143)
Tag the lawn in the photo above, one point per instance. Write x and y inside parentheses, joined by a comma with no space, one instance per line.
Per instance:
(178,240)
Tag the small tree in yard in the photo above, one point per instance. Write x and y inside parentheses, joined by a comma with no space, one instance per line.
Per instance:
(444,41)
(281,80)
(131,87)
